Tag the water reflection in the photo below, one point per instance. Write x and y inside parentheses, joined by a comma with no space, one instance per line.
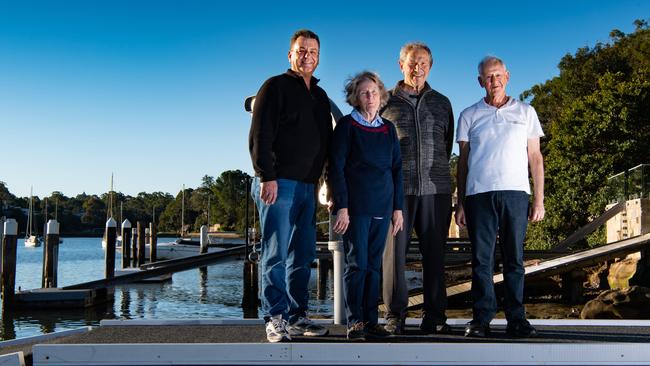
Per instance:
(217,291)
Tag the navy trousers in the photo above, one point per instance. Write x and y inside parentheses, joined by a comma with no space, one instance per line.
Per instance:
(363,243)
(505,213)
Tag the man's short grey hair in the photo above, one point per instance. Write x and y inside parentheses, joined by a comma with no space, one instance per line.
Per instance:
(489,60)
(412,46)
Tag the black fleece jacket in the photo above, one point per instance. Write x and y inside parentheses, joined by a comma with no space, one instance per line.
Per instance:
(291,129)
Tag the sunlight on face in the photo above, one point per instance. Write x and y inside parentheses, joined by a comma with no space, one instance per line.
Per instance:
(304,55)
(416,67)
(369,98)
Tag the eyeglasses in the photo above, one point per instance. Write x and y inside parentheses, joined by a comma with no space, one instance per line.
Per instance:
(302,52)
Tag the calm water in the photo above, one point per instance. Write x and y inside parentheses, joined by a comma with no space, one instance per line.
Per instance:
(213,293)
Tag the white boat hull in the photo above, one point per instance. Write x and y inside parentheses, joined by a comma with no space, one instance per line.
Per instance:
(33,241)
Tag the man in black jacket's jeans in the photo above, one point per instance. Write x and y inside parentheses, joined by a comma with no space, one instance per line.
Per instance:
(425,126)
(288,142)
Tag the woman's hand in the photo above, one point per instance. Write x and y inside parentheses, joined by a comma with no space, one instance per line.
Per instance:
(342,221)
(397,221)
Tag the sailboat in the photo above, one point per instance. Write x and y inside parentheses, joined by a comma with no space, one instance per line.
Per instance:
(109,214)
(31,233)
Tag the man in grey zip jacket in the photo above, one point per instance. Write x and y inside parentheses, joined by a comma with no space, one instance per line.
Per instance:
(425,127)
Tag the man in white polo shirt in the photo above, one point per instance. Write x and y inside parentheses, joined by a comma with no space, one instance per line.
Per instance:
(499,140)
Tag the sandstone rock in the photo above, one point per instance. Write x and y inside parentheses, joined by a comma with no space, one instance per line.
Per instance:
(629,303)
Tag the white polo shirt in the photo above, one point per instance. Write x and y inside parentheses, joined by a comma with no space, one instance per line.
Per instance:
(498,145)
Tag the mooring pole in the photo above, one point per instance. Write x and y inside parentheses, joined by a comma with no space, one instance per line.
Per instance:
(203,240)
(323,266)
(141,243)
(9,247)
(126,243)
(336,247)
(134,246)
(153,243)
(2,235)
(51,251)
(111,238)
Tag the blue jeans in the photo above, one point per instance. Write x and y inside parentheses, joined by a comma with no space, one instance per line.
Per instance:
(505,213)
(363,243)
(288,230)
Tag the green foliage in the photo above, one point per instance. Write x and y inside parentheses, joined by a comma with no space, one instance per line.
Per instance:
(595,115)
(231,193)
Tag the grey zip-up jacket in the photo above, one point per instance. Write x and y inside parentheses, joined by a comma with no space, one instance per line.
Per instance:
(426,131)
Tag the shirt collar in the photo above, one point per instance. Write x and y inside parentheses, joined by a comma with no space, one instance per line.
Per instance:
(359,118)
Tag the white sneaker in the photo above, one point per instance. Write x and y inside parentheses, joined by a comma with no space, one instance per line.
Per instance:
(276,330)
(306,327)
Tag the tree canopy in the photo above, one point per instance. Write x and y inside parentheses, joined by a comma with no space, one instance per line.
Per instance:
(596,118)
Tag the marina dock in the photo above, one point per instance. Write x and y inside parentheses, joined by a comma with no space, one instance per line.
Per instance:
(237,341)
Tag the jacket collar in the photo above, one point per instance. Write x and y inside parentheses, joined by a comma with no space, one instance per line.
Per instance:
(398,90)
(296,75)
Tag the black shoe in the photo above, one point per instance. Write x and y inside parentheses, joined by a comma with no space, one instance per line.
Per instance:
(356,332)
(376,331)
(427,326)
(521,329)
(394,326)
(477,330)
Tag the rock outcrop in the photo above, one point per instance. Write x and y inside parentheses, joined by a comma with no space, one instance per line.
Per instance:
(629,303)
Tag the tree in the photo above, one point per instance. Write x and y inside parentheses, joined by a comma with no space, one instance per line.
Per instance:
(94,214)
(595,114)
(231,194)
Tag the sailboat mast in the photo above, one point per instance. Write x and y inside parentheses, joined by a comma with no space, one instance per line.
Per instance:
(28,232)
(183,212)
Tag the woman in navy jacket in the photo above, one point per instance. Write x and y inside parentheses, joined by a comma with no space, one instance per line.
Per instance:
(365,179)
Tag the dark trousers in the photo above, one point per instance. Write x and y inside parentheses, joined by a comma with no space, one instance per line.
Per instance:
(363,243)
(429,216)
(505,213)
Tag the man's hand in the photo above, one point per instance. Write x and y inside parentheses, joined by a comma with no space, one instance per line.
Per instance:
(536,212)
(398,222)
(342,221)
(460,216)
(269,191)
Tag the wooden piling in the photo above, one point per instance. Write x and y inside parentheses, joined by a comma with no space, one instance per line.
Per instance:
(572,286)
(141,243)
(134,246)
(250,300)
(203,240)
(323,269)
(111,238)
(126,244)
(153,243)
(2,234)
(51,255)
(9,248)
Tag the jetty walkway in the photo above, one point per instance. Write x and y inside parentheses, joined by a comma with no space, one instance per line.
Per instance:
(242,341)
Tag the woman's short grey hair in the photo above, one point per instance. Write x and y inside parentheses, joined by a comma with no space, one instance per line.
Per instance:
(490,60)
(352,88)
(412,46)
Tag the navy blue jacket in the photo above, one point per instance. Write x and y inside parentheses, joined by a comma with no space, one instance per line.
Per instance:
(365,169)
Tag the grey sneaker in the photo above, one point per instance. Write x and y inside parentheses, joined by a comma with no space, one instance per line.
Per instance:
(376,331)
(276,330)
(394,326)
(356,332)
(303,326)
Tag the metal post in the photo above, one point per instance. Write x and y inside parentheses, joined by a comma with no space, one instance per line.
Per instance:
(204,239)
(9,247)
(153,243)
(336,247)
(126,243)
(111,238)
(2,235)
(51,251)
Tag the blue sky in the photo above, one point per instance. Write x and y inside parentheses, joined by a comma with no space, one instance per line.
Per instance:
(153,91)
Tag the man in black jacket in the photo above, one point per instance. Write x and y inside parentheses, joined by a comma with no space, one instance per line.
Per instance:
(288,143)
(425,127)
